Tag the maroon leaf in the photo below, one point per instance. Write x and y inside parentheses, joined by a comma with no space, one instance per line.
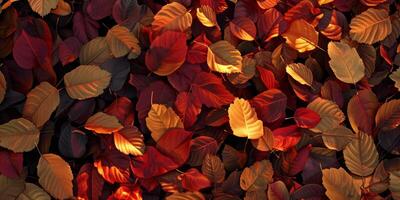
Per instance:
(11,164)
(293,161)
(188,107)
(89,182)
(175,143)
(270,105)
(99,9)
(197,52)
(200,147)
(193,180)
(183,77)
(69,50)
(113,166)
(268,78)
(84,27)
(122,109)
(286,137)
(306,118)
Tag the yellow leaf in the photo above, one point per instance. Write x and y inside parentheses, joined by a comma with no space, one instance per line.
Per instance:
(213,168)
(300,73)
(224,58)
(160,119)
(339,184)
(55,176)
(40,103)
(95,52)
(372,25)
(330,113)
(345,62)
(19,135)
(63,8)
(186,196)
(301,36)
(207,16)
(248,71)
(243,28)
(129,141)
(244,121)
(33,192)
(86,81)
(265,142)
(395,76)
(3,87)
(103,123)
(121,42)
(42,7)
(173,16)
(322,2)
(361,156)
(337,138)
(394,184)
(11,188)
(257,176)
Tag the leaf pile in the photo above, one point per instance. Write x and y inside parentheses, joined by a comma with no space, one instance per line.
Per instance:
(199,99)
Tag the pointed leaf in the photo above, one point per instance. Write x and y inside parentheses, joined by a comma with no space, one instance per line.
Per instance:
(103,123)
(19,135)
(224,58)
(173,16)
(160,119)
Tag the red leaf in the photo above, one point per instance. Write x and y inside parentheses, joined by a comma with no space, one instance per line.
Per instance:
(175,143)
(200,147)
(183,77)
(167,52)
(269,24)
(84,27)
(11,164)
(30,52)
(127,192)
(267,78)
(217,117)
(306,118)
(152,163)
(248,8)
(210,90)
(188,107)
(302,10)
(286,137)
(113,166)
(331,90)
(293,161)
(69,50)
(270,105)
(385,55)
(193,180)
(122,108)
(197,52)
(218,5)
(89,182)
(99,9)
(22,79)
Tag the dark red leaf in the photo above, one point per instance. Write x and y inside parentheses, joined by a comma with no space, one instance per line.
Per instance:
(200,147)
(99,9)
(193,180)
(89,182)
(84,27)
(286,137)
(122,108)
(183,77)
(268,78)
(270,105)
(69,50)
(197,52)
(11,164)
(306,118)
(113,166)
(188,107)
(175,143)
(293,161)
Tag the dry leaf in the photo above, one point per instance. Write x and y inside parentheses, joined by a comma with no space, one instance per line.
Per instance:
(339,184)
(41,102)
(395,76)
(244,121)
(43,7)
(361,111)
(19,135)
(330,113)
(103,123)
(11,188)
(173,16)
(394,184)
(207,16)
(370,26)
(243,28)
(224,58)
(33,192)
(248,71)
(300,73)
(86,81)
(301,36)
(278,191)
(55,176)
(95,52)
(129,141)
(257,176)
(388,115)
(264,143)
(338,138)
(160,119)
(121,42)
(345,62)
(213,168)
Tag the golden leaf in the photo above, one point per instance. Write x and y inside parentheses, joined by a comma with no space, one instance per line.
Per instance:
(339,184)
(395,76)
(63,8)
(224,58)
(160,119)
(265,142)
(394,184)
(11,188)
(243,28)
(337,138)
(388,115)
(330,113)
(248,71)
(213,168)
(33,192)
(361,156)
(255,195)
(19,135)
(40,103)
(244,121)
(207,16)
(345,62)
(300,73)
(173,16)
(267,4)
(103,123)
(95,52)
(301,36)
(129,141)
(3,87)
(186,196)
(257,176)
(372,25)
(322,2)
(42,7)
(86,81)
(55,176)
(121,42)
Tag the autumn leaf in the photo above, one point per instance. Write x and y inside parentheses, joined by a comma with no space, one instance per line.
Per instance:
(129,141)
(200,147)
(19,135)
(361,111)
(55,176)
(395,76)
(330,113)
(213,168)
(300,73)
(113,166)
(207,16)
(338,138)
(243,28)
(244,121)
(387,116)
(43,7)
(224,58)
(173,16)
(257,176)
(95,52)
(103,124)
(264,143)
(3,87)
(339,184)
(301,36)
(160,119)
(121,42)
(33,191)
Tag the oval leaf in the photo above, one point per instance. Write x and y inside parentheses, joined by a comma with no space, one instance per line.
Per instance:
(160,119)
(224,58)
(19,135)
(173,16)
(103,123)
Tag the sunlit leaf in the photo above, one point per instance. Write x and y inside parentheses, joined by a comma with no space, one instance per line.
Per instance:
(257,176)
(19,135)
(207,16)
(43,7)
(121,42)
(301,36)
(103,123)
(161,118)
(129,141)
(330,113)
(300,73)
(224,58)
(173,16)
